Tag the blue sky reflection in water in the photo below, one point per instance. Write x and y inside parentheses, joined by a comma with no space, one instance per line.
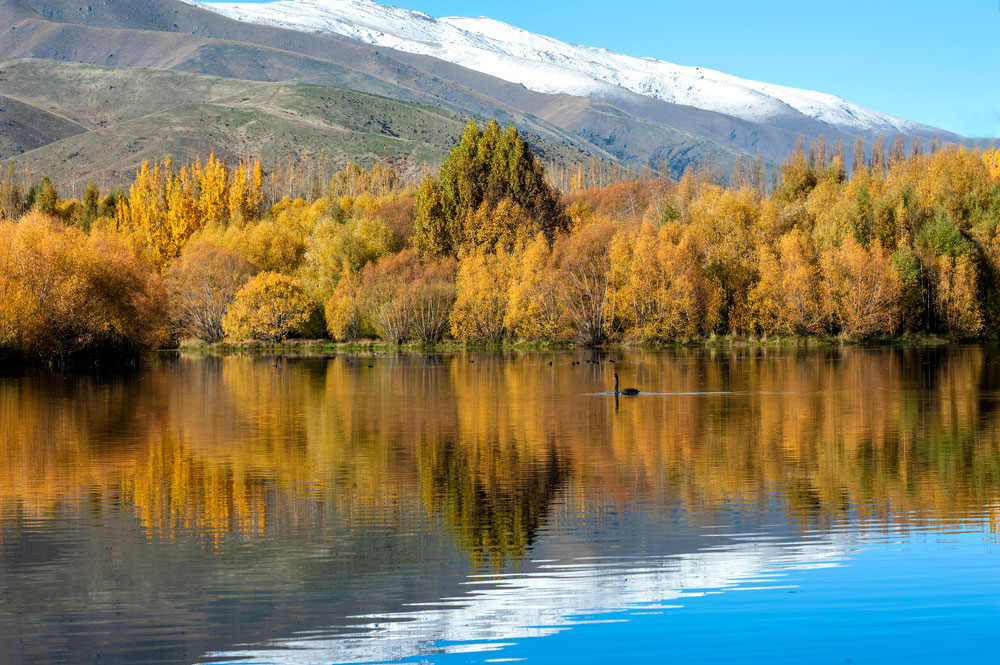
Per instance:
(860,595)
(778,506)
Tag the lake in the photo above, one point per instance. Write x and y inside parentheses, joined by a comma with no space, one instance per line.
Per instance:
(763,506)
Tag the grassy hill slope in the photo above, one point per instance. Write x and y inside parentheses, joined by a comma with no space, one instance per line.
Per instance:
(120,117)
(24,127)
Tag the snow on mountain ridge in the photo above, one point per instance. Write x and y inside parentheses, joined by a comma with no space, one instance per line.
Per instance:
(547,65)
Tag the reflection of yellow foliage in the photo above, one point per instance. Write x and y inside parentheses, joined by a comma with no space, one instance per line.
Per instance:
(237,449)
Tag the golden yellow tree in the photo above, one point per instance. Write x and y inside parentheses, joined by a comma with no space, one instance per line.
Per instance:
(765,300)
(800,310)
(533,302)
(344,310)
(162,209)
(213,185)
(660,284)
(862,291)
(144,212)
(480,310)
(182,217)
(246,190)
(956,297)
(65,293)
(268,308)
(502,225)
(992,160)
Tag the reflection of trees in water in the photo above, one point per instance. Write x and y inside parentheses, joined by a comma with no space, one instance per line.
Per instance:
(495,498)
(237,448)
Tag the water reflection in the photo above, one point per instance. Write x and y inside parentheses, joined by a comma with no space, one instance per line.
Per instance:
(493,613)
(206,502)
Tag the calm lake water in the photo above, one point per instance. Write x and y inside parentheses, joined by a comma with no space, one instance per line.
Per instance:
(833,506)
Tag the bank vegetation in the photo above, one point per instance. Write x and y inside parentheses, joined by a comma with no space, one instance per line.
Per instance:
(486,250)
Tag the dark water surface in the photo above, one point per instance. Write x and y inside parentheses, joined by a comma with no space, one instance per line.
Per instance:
(765,506)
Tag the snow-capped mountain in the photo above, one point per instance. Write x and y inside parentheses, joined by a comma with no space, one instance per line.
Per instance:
(543,64)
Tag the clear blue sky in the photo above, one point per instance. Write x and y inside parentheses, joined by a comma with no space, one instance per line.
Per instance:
(934,61)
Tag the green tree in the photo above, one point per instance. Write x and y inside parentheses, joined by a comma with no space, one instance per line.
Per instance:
(91,209)
(43,197)
(486,169)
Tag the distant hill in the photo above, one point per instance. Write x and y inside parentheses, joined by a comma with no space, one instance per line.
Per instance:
(149,49)
(103,122)
(544,64)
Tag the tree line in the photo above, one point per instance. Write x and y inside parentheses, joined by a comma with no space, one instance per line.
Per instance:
(487,250)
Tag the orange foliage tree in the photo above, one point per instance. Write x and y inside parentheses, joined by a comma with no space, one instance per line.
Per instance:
(65,293)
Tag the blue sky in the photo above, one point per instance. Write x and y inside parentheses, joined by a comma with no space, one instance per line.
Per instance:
(936,62)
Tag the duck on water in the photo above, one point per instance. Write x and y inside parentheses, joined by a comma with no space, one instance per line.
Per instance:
(627,391)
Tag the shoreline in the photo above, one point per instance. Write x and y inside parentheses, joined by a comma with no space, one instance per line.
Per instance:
(13,364)
(327,347)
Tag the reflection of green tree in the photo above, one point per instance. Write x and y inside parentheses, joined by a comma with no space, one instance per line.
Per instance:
(495,500)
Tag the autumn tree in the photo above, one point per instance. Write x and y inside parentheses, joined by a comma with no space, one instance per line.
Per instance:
(728,224)
(480,311)
(583,268)
(68,294)
(992,160)
(344,310)
(212,180)
(353,181)
(801,309)
(246,191)
(661,289)
(165,207)
(202,284)
(432,296)
(862,291)
(955,296)
(161,210)
(533,305)
(334,248)
(267,309)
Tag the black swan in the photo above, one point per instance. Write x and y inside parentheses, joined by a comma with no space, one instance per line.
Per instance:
(627,391)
